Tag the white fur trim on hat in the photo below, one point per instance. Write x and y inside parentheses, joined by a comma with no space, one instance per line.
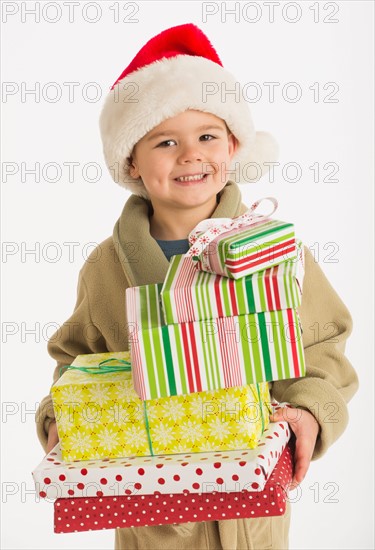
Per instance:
(146,97)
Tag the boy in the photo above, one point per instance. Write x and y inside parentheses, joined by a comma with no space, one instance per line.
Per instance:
(173,144)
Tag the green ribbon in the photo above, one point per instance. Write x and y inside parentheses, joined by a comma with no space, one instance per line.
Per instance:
(147,429)
(261,406)
(104,368)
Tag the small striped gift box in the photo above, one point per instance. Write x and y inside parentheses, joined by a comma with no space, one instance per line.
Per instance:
(197,356)
(191,295)
(240,246)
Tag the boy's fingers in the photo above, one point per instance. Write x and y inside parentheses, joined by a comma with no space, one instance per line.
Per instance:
(53,436)
(302,457)
(286,414)
(305,431)
(277,416)
(300,471)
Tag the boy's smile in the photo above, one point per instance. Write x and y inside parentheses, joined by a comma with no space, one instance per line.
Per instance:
(191,179)
(183,163)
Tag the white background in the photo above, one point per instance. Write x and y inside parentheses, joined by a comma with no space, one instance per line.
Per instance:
(40,292)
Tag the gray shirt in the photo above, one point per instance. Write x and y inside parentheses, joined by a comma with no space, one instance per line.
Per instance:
(173,248)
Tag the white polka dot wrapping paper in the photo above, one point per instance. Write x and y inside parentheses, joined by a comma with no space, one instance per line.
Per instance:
(93,513)
(194,473)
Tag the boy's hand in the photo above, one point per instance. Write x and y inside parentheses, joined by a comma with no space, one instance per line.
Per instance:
(306,429)
(53,437)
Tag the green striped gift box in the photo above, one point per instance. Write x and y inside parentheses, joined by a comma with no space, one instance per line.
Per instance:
(191,295)
(184,358)
(240,252)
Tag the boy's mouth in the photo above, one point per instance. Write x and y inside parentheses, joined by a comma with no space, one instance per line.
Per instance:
(193,178)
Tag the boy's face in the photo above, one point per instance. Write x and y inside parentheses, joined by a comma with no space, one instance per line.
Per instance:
(184,161)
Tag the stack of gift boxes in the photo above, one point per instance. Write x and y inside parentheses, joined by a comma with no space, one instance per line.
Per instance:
(153,436)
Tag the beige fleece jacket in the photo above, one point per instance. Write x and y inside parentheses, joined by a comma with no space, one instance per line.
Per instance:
(131,257)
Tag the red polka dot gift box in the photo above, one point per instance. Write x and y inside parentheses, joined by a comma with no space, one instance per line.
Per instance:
(168,474)
(92,513)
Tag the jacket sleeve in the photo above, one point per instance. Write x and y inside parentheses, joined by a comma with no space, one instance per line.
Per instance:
(330,380)
(78,335)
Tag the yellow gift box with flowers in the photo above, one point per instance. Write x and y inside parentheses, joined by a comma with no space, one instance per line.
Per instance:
(101,416)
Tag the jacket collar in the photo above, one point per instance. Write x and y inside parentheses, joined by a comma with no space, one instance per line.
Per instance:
(142,259)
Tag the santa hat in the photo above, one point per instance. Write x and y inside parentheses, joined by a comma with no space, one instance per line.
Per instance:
(174,71)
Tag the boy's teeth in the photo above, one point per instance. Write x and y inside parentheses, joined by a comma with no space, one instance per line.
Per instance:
(191,178)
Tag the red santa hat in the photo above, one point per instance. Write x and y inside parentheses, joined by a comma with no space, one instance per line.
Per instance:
(174,71)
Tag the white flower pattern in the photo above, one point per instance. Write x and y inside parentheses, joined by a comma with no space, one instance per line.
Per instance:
(202,406)
(97,419)
(108,439)
(99,394)
(191,431)
(173,409)
(218,429)
(163,435)
(136,437)
(70,395)
(65,423)
(80,442)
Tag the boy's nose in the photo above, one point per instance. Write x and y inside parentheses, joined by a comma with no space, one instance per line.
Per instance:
(190,153)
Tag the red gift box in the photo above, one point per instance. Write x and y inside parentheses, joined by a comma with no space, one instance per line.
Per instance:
(93,513)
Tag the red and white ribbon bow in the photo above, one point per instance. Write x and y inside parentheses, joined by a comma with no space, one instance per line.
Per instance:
(207,230)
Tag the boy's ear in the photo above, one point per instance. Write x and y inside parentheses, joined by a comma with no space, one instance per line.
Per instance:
(232,144)
(133,168)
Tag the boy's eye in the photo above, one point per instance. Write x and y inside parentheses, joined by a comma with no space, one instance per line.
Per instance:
(167,143)
(171,142)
